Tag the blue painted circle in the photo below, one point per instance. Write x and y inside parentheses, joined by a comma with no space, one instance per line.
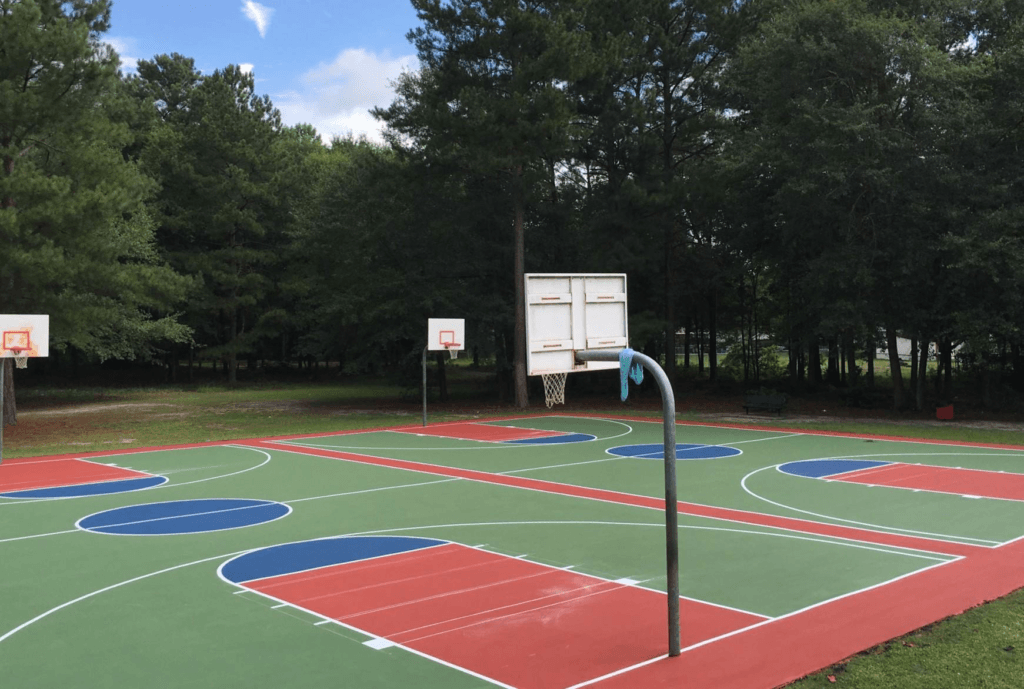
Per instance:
(684,451)
(184,517)
(554,439)
(86,489)
(290,558)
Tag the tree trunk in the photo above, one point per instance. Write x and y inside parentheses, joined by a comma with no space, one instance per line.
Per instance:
(813,362)
(947,373)
(686,344)
(870,353)
(834,377)
(852,367)
(10,410)
(670,307)
(922,375)
(522,398)
(894,369)
(232,362)
(713,336)
(913,367)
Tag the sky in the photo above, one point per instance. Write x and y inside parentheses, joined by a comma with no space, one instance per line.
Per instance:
(322,62)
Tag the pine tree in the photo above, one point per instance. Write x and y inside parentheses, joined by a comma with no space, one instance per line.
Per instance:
(77,243)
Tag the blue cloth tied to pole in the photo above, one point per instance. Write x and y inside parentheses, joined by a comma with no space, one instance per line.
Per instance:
(629,370)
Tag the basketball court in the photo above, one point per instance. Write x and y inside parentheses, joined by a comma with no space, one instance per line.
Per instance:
(483,554)
(544,551)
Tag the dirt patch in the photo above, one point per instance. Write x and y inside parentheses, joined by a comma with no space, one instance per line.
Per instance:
(91,408)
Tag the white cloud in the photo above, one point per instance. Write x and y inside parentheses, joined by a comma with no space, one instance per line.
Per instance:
(336,98)
(123,47)
(259,14)
(246,67)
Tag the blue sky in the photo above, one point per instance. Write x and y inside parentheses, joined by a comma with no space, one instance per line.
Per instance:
(325,62)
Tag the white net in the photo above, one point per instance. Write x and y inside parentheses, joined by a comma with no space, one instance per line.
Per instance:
(21,361)
(554,388)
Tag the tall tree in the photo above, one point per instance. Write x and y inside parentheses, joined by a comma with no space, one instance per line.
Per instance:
(852,109)
(490,94)
(217,149)
(77,243)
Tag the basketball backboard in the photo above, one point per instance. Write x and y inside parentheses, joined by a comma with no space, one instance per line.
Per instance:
(566,313)
(446,334)
(24,336)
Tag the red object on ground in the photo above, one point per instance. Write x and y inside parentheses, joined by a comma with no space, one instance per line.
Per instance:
(973,482)
(944,413)
(521,623)
(29,475)
(479,431)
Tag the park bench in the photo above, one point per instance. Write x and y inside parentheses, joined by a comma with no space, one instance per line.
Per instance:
(772,403)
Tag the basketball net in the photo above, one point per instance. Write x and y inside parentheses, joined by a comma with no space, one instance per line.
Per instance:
(451,347)
(554,388)
(19,361)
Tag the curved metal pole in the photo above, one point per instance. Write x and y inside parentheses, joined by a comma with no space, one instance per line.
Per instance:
(668,408)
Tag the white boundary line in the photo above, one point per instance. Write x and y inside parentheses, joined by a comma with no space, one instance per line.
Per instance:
(487,444)
(967,540)
(105,589)
(427,468)
(735,632)
(166,484)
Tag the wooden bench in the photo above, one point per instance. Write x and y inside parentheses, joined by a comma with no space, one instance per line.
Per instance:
(772,403)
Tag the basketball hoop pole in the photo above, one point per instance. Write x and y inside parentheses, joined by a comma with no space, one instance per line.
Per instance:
(668,406)
(425,386)
(3,372)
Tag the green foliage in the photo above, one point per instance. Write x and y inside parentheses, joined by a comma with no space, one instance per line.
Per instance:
(227,173)
(78,244)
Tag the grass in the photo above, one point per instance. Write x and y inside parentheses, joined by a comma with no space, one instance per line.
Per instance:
(56,421)
(984,647)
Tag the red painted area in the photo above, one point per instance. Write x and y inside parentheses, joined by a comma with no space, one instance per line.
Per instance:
(521,623)
(863,535)
(29,475)
(478,431)
(986,484)
(788,648)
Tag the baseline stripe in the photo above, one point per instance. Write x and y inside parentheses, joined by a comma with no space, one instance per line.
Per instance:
(692,509)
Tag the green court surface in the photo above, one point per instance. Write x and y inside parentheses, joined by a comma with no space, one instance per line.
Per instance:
(775,549)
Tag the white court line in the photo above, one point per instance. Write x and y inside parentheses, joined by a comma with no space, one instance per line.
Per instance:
(877,527)
(165,484)
(40,535)
(372,490)
(112,587)
(742,630)
(487,444)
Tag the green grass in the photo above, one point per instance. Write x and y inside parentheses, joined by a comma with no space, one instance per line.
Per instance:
(61,420)
(984,647)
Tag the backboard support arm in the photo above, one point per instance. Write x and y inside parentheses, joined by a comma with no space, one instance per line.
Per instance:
(668,406)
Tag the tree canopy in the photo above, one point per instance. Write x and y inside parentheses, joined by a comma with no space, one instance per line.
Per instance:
(822,176)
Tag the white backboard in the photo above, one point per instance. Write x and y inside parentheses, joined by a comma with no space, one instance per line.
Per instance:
(573,312)
(24,335)
(446,331)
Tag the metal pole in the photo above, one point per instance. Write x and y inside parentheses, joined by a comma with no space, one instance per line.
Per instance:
(3,370)
(424,386)
(668,408)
